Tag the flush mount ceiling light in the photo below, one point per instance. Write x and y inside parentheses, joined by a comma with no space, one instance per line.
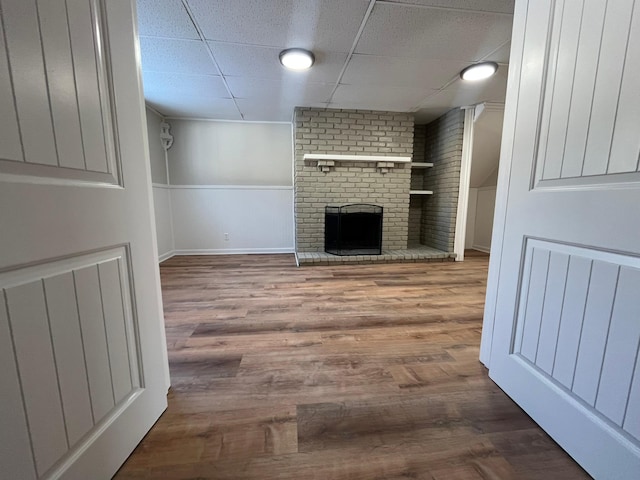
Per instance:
(479,71)
(296,59)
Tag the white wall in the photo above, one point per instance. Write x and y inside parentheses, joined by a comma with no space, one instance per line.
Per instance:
(487,135)
(161,192)
(230,153)
(485,205)
(156,152)
(231,187)
(256,219)
(471,218)
(164,228)
(484,175)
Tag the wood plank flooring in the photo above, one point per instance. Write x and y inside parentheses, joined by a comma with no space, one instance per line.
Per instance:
(365,372)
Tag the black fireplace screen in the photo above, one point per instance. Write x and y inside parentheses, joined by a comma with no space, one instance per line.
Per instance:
(354,229)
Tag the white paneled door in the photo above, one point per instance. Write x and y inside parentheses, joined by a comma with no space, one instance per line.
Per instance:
(562,320)
(83,370)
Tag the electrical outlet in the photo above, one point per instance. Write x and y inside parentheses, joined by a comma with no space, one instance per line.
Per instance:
(226,237)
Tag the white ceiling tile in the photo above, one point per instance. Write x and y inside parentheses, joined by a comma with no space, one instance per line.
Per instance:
(167,18)
(426,115)
(179,56)
(400,72)
(164,85)
(265,110)
(393,68)
(378,106)
(292,90)
(376,97)
(318,25)
(462,93)
(181,105)
(501,55)
(245,60)
(406,31)
(499,6)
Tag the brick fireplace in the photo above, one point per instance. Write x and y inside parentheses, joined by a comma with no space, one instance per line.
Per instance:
(355,132)
(357,156)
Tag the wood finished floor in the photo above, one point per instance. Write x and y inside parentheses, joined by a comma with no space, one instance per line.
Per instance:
(364,372)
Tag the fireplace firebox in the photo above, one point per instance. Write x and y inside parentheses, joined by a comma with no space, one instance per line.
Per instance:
(354,229)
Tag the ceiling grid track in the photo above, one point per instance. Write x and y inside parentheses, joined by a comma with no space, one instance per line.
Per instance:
(187,8)
(440,7)
(367,14)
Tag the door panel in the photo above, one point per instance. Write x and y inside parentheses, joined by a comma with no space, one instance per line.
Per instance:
(566,326)
(82,345)
(595,365)
(56,71)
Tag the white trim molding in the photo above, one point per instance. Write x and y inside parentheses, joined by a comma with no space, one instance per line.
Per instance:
(465,176)
(166,256)
(233,251)
(481,248)
(231,187)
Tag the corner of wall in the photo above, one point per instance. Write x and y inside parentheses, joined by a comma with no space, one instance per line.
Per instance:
(443,148)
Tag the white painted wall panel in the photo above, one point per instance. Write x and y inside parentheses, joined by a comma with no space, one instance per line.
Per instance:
(230,153)
(622,344)
(590,116)
(70,356)
(10,147)
(54,95)
(583,86)
(483,226)
(15,454)
(632,415)
(59,67)
(156,152)
(563,84)
(552,309)
(257,220)
(162,209)
(114,320)
(84,54)
(93,333)
(37,366)
(575,298)
(626,141)
(471,217)
(588,304)
(594,330)
(613,49)
(62,367)
(29,82)
(534,302)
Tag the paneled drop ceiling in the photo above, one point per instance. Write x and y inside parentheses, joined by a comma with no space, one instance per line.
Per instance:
(218,59)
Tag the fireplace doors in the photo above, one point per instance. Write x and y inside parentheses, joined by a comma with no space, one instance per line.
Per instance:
(354,229)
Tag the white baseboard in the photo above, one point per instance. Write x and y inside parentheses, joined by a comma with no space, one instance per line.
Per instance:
(481,248)
(166,256)
(233,251)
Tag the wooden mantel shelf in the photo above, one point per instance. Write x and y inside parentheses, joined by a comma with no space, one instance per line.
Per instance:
(421,192)
(355,158)
(421,164)
(327,160)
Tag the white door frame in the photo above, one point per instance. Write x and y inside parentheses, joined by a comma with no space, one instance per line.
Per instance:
(465,175)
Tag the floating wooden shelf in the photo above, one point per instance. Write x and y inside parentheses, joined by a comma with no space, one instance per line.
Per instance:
(420,192)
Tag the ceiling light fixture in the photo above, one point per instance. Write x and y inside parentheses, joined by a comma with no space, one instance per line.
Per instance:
(296,59)
(479,71)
